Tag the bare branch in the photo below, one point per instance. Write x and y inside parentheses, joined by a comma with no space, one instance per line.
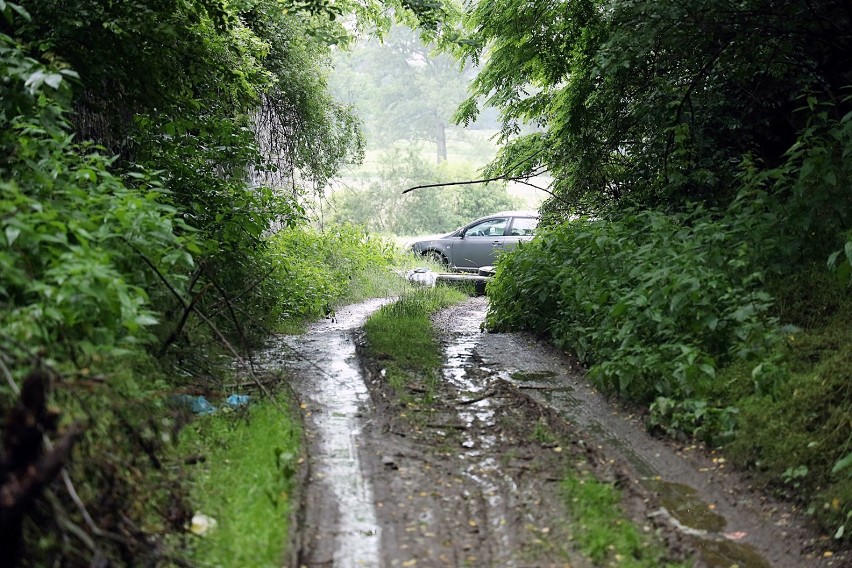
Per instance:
(522,179)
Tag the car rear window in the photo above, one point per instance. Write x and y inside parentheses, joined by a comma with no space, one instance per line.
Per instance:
(523,226)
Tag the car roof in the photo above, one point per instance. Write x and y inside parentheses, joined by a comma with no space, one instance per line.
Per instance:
(519,213)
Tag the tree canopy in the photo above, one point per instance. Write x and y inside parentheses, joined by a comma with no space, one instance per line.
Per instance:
(653,102)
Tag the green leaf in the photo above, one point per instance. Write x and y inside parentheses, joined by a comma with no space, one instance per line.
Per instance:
(842,463)
(145,319)
(53,80)
(12,234)
(618,309)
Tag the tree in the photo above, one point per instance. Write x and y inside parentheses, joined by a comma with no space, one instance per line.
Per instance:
(401,87)
(380,205)
(652,102)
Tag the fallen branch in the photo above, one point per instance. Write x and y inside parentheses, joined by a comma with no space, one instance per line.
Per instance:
(485,395)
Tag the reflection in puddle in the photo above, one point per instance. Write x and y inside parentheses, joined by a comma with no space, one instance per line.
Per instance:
(682,503)
(326,353)
(695,518)
(724,554)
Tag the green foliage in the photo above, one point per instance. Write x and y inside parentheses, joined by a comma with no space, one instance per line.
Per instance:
(653,102)
(401,336)
(382,207)
(600,529)
(72,232)
(314,271)
(245,483)
(227,101)
(655,303)
(798,439)
(804,200)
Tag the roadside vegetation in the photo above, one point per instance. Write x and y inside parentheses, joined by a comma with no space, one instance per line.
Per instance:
(153,231)
(401,336)
(696,251)
(600,529)
(242,477)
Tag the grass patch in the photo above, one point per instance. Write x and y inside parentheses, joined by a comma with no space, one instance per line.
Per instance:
(245,484)
(601,530)
(401,336)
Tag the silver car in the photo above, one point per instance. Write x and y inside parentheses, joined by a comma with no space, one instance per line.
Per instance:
(476,244)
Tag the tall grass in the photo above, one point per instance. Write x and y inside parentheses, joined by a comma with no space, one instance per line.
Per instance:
(245,484)
(401,335)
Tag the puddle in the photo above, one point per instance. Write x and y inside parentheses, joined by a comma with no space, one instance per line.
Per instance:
(466,374)
(724,554)
(531,377)
(682,503)
(326,354)
(695,518)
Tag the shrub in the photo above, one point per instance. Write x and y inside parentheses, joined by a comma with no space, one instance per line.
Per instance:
(655,303)
(316,270)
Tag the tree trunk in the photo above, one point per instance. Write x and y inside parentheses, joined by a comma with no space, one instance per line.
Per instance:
(441,140)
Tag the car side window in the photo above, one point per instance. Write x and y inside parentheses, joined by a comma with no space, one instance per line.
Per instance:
(523,227)
(489,228)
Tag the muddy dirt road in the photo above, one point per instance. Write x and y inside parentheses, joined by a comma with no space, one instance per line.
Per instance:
(472,477)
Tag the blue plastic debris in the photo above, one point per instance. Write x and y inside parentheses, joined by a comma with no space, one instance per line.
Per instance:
(201,405)
(196,404)
(237,400)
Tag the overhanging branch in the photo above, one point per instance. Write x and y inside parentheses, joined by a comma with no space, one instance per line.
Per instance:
(521,179)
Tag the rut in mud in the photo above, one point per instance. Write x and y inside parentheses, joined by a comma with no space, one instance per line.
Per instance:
(471,478)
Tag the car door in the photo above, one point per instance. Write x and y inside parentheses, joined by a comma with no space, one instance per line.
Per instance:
(521,229)
(478,243)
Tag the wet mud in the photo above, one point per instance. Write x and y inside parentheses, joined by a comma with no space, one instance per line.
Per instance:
(470,477)
(336,510)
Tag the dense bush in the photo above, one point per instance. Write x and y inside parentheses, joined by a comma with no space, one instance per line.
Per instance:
(654,303)
(73,233)
(316,270)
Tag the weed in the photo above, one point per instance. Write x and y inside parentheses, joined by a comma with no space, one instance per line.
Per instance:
(244,483)
(401,335)
(542,433)
(600,529)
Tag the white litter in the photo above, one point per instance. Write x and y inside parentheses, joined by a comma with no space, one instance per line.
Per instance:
(202,524)
(422,277)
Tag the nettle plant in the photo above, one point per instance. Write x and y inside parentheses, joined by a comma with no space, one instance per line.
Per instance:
(655,303)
